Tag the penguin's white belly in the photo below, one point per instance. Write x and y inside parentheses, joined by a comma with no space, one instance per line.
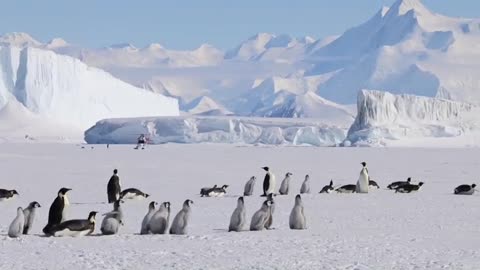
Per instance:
(68,232)
(271,188)
(362,183)
(216,194)
(6,199)
(133,196)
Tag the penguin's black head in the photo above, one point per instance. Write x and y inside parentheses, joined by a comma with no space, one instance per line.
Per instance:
(91,216)
(420,184)
(63,191)
(215,186)
(14,192)
(266,168)
(224,186)
(146,195)
(268,203)
(270,197)
(288,174)
(331,183)
(34,204)
(298,197)
(167,205)
(409,179)
(152,205)
(307,176)
(115,171)
(474,185)
(240,199)
(364,164)
(188,202)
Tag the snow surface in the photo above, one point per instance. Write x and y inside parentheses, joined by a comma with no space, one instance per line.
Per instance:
(386,119)
(431,229)
(201,129)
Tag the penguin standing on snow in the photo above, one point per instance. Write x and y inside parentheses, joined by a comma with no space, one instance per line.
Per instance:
(113,220)
(305,189)
(268,182)
(56,214)
(329,188)
(249,186)
(260,217)
(362,183)
(76,227)
(465,189)
(285,186)
(271,210)
(133,194)
(16,227)
(159,222)
(29,214)
(238,218)
(297,219)
(113,187)
(180,222)
(6,194)
(151,210)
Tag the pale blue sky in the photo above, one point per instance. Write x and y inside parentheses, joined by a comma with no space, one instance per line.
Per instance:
(183,24)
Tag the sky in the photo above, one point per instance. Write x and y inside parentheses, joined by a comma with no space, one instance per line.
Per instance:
(186,24)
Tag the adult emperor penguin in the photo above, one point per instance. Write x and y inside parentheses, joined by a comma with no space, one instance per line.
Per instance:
(133,194)
(347,189)
(113,220)
(329,188)
(305,189)
(297,219)
(159,222)
(29,214)
(217,191)
(16,227)
(362,183)
(260,217)
(151,210)
(374,184)
(6,194)
(76,227)
(180,222)
(398,184)
(268,224)
(113,187)
(238,218)
(249,186)
(56,214)
(268,182)
(465,189)
(409,188)
(285,186)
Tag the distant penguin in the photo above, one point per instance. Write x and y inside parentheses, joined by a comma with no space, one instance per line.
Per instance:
(29,214)
(249,186)
(409,188)
(151,210)
(374,184)
(76,227)
(204,191)
(133,194)
(238,218)
(180,222)
(305,189)
(465,189)
(268,182)
(268,224)
(398,184)
(285,185)
(260,217)
(113,187)
(56,214)
(347,189)
(16,227)
(6,194)
(113,220)
(297,219)
(362,183)
(159,222)
(329,188)
(217,191)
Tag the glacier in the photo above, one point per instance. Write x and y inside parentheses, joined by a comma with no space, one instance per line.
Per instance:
(203,129)
(385,119)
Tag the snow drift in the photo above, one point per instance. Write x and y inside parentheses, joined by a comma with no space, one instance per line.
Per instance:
(387,119)
(215,130)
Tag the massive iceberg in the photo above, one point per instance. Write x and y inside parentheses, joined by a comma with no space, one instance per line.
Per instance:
(270,131)
(387,119)
(42,85)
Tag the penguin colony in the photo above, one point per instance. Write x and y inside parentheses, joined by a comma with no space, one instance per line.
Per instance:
(157,218)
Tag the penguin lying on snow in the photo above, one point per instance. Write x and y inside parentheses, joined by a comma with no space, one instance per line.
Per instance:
(6,194)
(158,223)
(76,227)
(29,214)
(146,220)
(217,192)
(305,188)
(374,184)
(398,184)
(16,227)
(133,194)
(204,191)
(238,218)
(56,214)
(408,188)
(249,186)
(285,185)
(465,189)
(347,189)
(328,189)
(180,222)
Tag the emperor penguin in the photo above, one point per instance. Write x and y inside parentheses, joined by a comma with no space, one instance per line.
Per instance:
(285,185)
(238,218)
(347,189)
(217,191)
(260,217)
(362,183)
(180,222)
(305,189)
(148,216)
(57,211)
(133,194)
(204,191)
(159,222)
(409,188)
(76,227)
(465,189)
(268,182)
(16,227)
(398,184)
(249,186)
(271,210)
(6,194)
(113,187)
(113,220)
(297,216)
(29,214)
(328,189)
(374,184)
